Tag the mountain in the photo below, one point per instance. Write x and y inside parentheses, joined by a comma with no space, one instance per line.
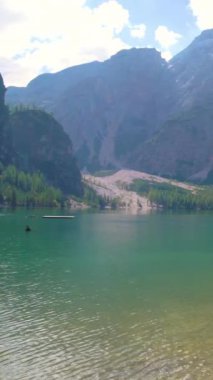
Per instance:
(41,145)
(5,142)
(183,147)
(2,114)
(193,71)
(2,94)
(106,108)
(34,141)
(136,110)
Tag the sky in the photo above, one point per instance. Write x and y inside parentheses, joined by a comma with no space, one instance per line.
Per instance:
(38,36)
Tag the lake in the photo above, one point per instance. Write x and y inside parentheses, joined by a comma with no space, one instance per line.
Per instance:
(106,296)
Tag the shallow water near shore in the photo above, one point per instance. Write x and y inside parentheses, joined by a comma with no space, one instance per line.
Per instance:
(106,296)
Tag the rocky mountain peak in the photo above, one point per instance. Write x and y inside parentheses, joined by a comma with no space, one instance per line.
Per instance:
(206,35)
(136,57)
(200,46)
(136,53)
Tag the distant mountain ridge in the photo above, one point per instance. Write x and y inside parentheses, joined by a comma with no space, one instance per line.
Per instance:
(136,110)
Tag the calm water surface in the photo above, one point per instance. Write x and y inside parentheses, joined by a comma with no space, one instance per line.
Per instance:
(106,296)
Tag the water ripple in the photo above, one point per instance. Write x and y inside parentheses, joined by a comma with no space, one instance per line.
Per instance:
(57,322)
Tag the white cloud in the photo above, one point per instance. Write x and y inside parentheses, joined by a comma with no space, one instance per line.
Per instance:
(165,37)
(138,31)
(8,16)
(111,14)
(10,69)
(57,34)
(203,11)
(167,55)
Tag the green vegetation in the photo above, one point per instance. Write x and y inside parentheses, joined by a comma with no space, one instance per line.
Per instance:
(97,201)
(173,197)
(22,189)
(92,199)
(24,107)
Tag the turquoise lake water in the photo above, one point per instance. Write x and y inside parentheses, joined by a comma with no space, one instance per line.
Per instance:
(106,296)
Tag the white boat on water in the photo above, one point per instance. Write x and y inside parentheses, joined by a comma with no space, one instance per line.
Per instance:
(58,216)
